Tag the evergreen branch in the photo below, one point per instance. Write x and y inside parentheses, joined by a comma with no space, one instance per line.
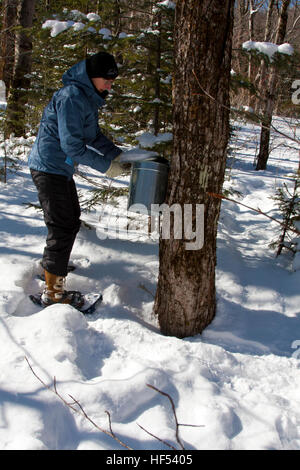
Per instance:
(288,216)
(89,180)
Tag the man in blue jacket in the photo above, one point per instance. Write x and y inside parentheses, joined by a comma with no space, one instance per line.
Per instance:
(69,135)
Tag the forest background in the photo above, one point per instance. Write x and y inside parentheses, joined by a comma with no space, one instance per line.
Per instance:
(249,349)
(40,40)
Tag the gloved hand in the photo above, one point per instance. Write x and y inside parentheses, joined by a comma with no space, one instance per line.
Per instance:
(116,168)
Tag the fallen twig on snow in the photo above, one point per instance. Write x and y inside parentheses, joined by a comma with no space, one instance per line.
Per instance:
(221,196)
(80,410)
(175,417)
(142,286)
(174,412)
(155,437)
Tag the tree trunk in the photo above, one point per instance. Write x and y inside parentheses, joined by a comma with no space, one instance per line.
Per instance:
(269,94)
(156,120)
(240,23)
(185,299)
(8,42)
(263,72)
(117,18)
(17,98)
(241,12)
(254,8)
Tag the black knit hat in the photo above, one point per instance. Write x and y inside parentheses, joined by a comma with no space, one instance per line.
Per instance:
(102,65)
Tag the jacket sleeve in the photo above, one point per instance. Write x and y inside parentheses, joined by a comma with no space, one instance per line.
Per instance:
(70,120)
(105,146)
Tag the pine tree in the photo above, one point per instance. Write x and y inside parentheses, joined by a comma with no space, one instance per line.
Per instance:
(142,94)
(288,201)
(143,47)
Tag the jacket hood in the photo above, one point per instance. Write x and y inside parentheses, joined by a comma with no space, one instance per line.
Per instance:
(77,75)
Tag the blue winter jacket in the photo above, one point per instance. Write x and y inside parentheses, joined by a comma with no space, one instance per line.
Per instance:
(69,131)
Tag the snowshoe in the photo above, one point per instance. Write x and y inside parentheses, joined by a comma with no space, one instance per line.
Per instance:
(55,293)
(85,304)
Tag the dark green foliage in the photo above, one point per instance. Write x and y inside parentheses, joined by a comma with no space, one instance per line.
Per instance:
(11,152)
(102,196)
(141,96)
(288,202)
(141,40)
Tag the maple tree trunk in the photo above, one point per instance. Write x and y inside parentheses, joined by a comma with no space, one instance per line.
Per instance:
(185,298)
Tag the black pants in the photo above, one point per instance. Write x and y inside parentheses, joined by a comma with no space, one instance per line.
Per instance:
(59,201)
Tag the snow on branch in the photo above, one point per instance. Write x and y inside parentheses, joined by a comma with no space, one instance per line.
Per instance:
(167,4)
(268,48)
(58,26)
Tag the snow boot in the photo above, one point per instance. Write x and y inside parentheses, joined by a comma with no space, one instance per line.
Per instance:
(54,292)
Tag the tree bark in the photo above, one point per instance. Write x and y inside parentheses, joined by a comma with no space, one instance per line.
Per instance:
(185,298)
(17,98)
(8,42)
(254,8)
(269,94)
(156,120)
(263,72)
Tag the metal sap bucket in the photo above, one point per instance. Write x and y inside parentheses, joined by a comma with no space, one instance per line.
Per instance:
(148,185)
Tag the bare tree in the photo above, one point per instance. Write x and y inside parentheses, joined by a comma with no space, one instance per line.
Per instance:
(254,9)
(269,92)
(242,8)
(17,97)
(262,75)
(9,12)
(185,298)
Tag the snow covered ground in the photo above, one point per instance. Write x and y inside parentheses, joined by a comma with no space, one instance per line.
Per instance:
(239,380)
